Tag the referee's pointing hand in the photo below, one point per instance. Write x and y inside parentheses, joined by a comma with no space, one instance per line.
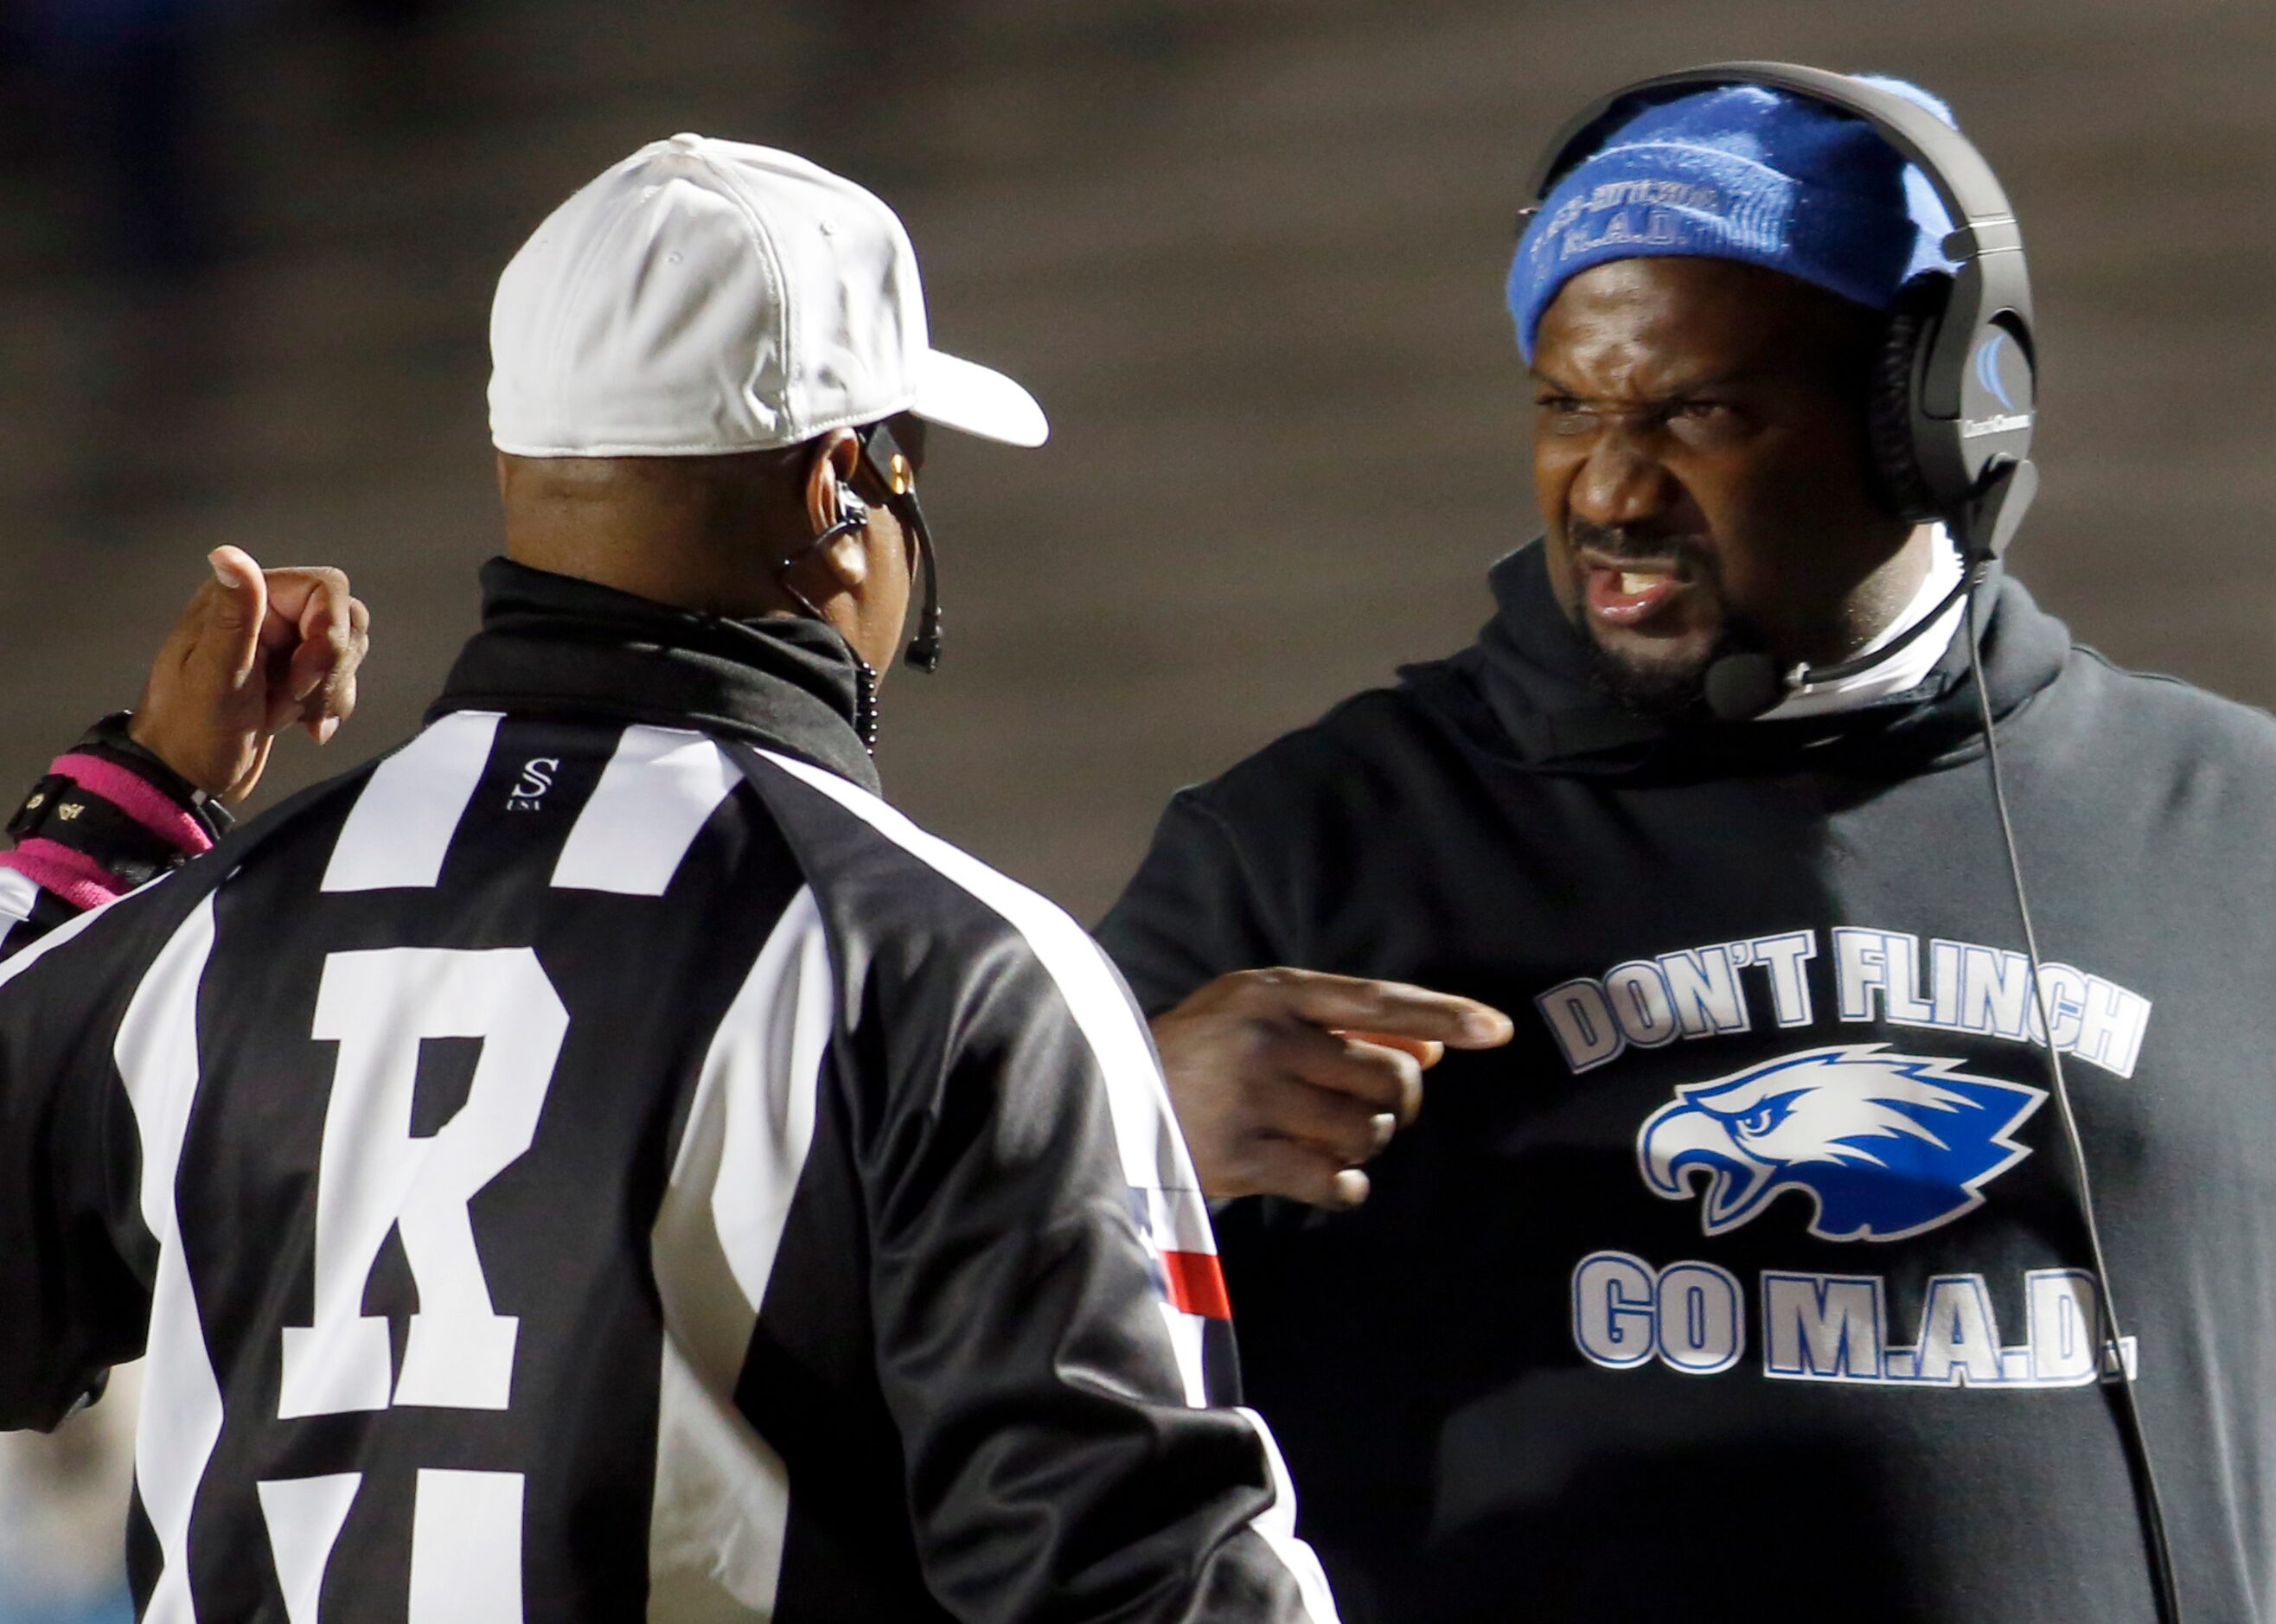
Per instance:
(1284,1080)
(256,652)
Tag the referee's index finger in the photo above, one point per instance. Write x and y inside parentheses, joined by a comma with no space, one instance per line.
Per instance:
(1393,1008)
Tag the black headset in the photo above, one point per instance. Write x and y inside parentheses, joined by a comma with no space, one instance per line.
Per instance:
(1952,405)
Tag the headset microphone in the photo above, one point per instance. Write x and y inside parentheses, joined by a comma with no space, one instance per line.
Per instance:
(924,648)
(1743,686)
(891,468)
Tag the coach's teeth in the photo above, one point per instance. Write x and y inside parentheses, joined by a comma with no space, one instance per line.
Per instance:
(1639,580)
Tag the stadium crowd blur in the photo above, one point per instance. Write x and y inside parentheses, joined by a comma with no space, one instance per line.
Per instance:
(1248,252)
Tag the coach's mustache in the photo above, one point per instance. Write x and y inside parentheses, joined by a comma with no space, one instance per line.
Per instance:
(1622,544)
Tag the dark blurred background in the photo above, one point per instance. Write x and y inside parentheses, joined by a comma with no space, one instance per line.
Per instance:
(1248,252)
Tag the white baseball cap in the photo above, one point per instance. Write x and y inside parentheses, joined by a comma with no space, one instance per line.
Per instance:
(705,296)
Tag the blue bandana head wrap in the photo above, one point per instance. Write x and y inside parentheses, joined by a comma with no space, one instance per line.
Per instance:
(1741,172)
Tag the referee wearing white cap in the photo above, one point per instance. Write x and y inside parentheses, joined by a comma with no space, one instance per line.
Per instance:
(600,1161)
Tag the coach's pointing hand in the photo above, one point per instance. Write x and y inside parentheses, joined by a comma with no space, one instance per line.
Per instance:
(254,652)
(1284,1080)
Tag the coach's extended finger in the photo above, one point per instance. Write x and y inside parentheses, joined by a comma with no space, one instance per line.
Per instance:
(1395,1009)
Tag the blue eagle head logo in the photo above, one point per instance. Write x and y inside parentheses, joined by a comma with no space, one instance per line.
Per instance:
(1886,1145)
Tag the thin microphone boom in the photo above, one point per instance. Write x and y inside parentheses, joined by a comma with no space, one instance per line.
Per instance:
(1741,687)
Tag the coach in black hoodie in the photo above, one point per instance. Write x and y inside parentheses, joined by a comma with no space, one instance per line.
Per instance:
(1750,1279)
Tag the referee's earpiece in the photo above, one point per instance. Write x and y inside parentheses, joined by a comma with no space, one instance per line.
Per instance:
(890,467)
(853,514)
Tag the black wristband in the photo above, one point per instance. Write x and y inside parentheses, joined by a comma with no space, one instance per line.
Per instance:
(67,814)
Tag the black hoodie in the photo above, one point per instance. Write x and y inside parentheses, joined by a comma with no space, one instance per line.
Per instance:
(1749,1281)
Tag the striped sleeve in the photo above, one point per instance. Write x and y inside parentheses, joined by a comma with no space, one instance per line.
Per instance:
(1045,1281)
(19,895)
(30,912)
(70,1306)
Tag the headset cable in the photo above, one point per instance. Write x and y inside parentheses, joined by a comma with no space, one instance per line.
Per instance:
(2128,1404)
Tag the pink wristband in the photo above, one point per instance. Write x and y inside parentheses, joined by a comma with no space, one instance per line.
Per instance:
(136,797)
(73,876)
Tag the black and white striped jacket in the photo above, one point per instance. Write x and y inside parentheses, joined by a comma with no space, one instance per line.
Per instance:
(602,1162)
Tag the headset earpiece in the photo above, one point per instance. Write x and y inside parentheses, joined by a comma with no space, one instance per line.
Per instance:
(853,514)
(1894,397)
(1950,410)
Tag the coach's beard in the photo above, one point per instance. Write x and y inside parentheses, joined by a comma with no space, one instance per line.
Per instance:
(1660,691)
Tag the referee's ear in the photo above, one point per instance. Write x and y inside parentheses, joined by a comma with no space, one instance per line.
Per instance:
(829,474)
